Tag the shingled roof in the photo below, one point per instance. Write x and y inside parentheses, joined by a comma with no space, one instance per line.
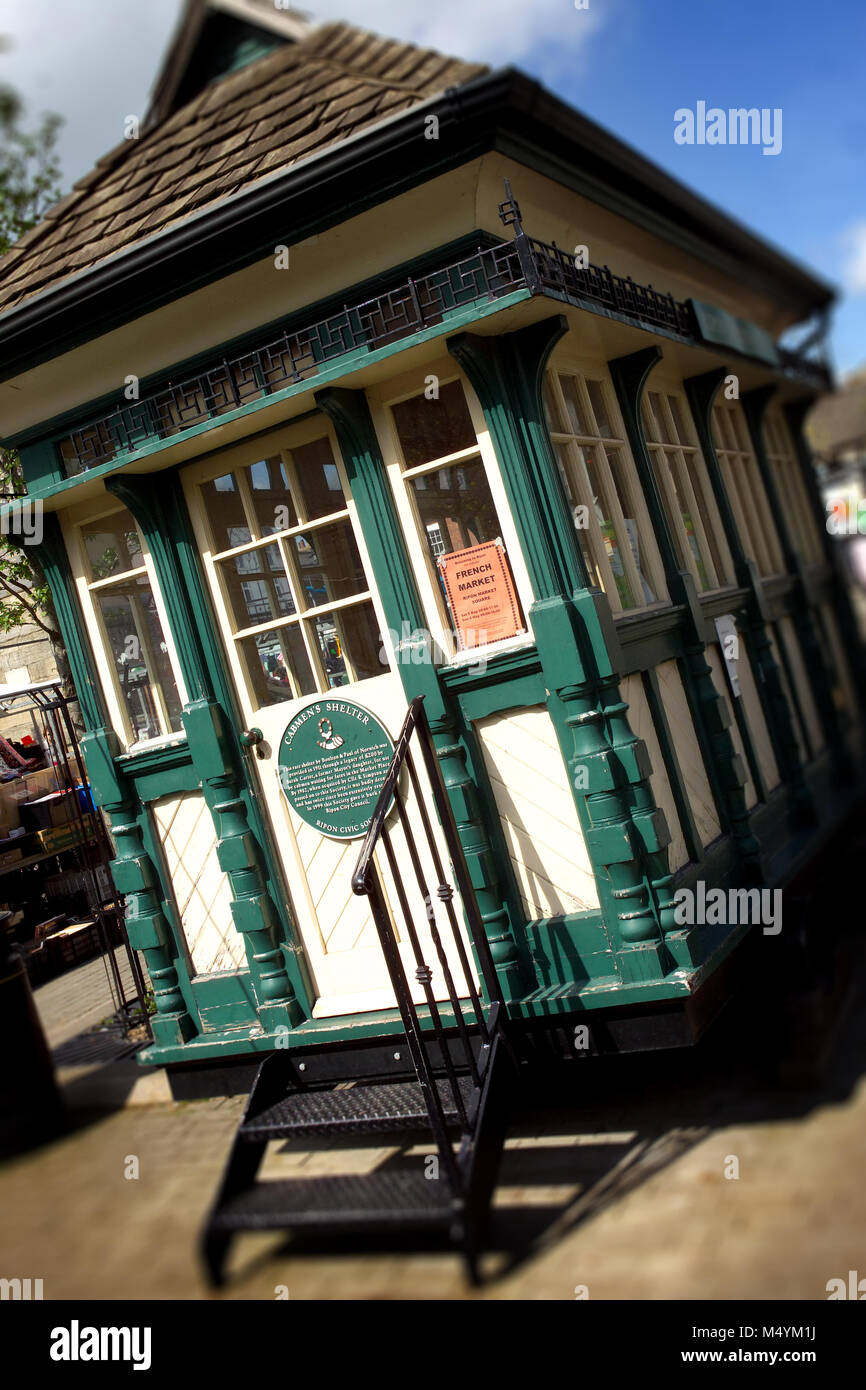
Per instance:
(271,114)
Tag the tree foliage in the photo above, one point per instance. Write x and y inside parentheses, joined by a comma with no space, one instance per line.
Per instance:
(29,185)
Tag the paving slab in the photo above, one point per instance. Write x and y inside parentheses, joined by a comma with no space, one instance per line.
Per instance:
(662,1178)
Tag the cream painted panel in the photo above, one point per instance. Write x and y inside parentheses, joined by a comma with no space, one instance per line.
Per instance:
(757,723)
(720,681)
(688,752)
(556,213)
(641,721)
(536,808)
(802,685)
(185,829)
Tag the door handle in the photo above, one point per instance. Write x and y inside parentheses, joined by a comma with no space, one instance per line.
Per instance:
(251,738)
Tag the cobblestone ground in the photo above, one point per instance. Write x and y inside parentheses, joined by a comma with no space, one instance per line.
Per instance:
(617,1183)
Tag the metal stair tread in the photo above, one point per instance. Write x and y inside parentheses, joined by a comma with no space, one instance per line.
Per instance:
(339,1203)
(355,1109)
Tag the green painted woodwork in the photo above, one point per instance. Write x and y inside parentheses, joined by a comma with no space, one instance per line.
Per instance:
(214,757)
(701,391)
(724,768)
(608,768)
(44,485)
(171,776)
(58,426)
(721,329)
(506,372)
(134,872)
(803,617)
(55,564)
(371,494)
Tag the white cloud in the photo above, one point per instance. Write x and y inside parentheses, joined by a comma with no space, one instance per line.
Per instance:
(497,32)
(95,62)
(854,270)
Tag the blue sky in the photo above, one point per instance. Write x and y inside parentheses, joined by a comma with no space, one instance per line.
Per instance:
(629,64)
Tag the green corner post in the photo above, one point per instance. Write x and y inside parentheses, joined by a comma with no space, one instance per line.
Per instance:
(626,834)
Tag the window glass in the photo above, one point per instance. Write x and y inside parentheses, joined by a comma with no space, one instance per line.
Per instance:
(224,507)
(271,495)
(112,546)
(797,507)
(327,564)
(686,490)
(280,596)
(455,508)
(127,618)
(455,512)
(599,408)
(746,490)
(278,665)
(431,429)
(603,492)
(318,479)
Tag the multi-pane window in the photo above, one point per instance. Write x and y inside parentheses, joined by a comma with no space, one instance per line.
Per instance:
(450,495)
(121,589)
(686,491)
(745,488)
(793,497)
(601,484)
(290,573)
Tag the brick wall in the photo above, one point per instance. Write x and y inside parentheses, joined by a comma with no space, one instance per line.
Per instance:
(25,655)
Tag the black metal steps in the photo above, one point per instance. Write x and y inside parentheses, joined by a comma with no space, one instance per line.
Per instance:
(463,1077)
(361,1109)
(340,1204)
(450,1199)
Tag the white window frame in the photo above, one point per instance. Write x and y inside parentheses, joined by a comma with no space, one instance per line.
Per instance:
(381,399)
(680,454)
(578,489)
(793,496)
(745,488)
(72,523)
(234,459)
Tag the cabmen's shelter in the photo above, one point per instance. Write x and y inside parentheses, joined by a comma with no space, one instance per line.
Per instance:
(358,374)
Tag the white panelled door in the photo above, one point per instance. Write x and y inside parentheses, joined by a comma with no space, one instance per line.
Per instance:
(300,618)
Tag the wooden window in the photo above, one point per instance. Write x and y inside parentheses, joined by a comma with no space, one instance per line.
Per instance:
(797,509)
(130,636)
(295,592)
(448,489)
(601,485)
(686,490)
(745,488)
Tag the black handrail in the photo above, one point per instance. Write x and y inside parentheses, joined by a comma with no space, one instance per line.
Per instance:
(469,1013)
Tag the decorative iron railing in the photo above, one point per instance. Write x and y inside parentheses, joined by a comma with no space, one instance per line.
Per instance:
(294,356)
(558,273)
(299,354)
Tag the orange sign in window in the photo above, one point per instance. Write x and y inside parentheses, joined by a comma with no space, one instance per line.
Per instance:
(481,595)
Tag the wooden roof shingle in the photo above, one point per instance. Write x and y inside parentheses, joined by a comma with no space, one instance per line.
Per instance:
(287,106)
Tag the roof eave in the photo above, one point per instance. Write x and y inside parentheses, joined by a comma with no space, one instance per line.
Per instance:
(503,110)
